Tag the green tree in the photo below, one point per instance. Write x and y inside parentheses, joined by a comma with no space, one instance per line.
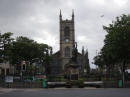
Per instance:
(24,49)
(117,42)
(6,41)
(30,51)
(116,49)
(98,60)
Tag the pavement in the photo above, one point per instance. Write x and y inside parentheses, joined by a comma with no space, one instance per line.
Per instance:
(65,92)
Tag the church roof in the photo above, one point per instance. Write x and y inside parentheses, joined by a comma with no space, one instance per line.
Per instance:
(56,53)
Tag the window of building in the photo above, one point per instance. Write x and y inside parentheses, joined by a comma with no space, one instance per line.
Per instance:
(24,67)
(3,71)
(7,71)
(67,52)
(67,31)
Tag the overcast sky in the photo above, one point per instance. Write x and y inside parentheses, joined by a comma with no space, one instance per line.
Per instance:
(39,20)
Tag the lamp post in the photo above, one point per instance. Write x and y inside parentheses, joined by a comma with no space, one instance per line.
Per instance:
(21,71)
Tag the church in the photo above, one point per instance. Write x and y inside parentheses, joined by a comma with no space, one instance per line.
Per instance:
(64,55)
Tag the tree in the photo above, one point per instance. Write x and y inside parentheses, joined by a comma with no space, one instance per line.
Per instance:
(116,49)
(6,41)
(98,60)
(117,40)
(25,49)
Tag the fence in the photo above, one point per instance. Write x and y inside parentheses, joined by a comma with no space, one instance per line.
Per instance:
(105,84)
(22,85)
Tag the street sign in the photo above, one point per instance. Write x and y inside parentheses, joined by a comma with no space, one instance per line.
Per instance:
(9,79)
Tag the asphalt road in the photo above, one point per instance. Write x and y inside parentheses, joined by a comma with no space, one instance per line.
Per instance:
(73,92)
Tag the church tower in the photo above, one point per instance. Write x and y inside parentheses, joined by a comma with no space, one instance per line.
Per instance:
(67,39)
(62,59)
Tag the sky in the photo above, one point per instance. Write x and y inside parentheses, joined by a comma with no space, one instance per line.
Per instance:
(39,20)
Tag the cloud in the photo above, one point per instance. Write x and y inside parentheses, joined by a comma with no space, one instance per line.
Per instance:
(39,20)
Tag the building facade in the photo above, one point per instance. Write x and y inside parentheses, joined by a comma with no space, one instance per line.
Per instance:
(67,41)
(6,69)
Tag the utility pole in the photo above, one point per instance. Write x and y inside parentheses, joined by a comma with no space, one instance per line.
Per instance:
(123,74)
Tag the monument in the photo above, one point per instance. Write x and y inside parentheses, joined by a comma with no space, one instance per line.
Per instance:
(72,68)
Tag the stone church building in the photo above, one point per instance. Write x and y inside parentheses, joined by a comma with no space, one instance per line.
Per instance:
(63,56)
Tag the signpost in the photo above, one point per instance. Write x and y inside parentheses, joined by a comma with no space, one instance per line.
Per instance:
(9,79)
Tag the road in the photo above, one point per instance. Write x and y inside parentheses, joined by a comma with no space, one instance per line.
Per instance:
(62,92)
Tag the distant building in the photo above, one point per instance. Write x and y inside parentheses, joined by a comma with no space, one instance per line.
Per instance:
(63,56)
(6,69)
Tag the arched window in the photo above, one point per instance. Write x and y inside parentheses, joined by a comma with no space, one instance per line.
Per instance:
(67,52)
(67,31)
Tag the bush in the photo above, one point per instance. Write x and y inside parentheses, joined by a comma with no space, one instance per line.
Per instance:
(81,83)
(56,79)
(68,84)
